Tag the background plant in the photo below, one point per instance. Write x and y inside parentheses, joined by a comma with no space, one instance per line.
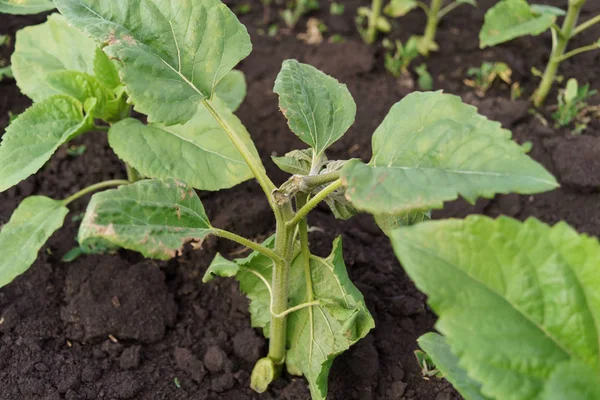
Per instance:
(370,21)
(517,303)
(510,19)
(431,148)
(485,75)
(572,105)
(435,11)
(294,11)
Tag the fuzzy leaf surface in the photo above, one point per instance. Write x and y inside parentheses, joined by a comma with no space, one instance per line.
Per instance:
(183,48)
(35,135)
(198,152)
(30,226)
(151,217)
(517,302)
(510,19)
(431,148)
(49,47)
(24,7)
(105,69)
(318,108)
(318,334)
(296,162)
(232,89)
(445,361)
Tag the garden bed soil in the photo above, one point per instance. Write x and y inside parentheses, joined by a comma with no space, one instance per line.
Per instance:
(121,327)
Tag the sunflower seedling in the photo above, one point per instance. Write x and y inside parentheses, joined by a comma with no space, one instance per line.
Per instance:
(435,11)
(370,21)
(510,19)
(572,105)
(482,78)
(431,148)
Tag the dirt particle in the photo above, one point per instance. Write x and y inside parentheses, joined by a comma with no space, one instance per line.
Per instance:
(215,359)
(190,364)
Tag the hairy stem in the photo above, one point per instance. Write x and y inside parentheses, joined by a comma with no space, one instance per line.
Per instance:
(93,188)
(433,19)
(253,162)
(558,51)
(312,203)
(372,28)
(301,201)
(248,243)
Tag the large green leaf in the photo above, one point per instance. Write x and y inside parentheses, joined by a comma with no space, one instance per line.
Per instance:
(198,152)
(510,19)
(173,54)
(318,108)
(36,134)
(445,361)
(318,334)
(232,89)
(252,272)
(49,47)
(22,7)
(152,217)
(30,226)
(431,148)
(516,301)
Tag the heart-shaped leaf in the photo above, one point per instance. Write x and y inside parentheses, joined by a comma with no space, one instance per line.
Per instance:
(172,55)
(30,226)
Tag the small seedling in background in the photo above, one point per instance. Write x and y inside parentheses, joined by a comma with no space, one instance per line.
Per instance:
(428,369)
(572,105)
(296,10)
(6,72)
(336,38)
(242,9)
(425,80)
(314,32)
(370,22)
(398,56)
(76,151)
(337,8)
(435,11)
(510,19)
(4,40)
(516,91)
(485,75)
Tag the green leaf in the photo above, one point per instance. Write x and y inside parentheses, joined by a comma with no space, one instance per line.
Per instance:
(252,272)
(183,50)
(83,86)
(30,226)
(198,152)
(23,7)
(431,148)
(232,89)
(36,134)
(296,162)
(399,8)
(573,381)
(516,301)
(106,70)
(388,223)
(6,72)
(317,334)
(438,350)
(51,46)
(470,2)
(318,108)
(151,217)
(545,9)
(510,19)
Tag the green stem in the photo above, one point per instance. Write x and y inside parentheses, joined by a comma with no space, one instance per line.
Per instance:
(284,247)
(319,197)
(433,19)
(132,174)
(585,25)
(248,243)
(580,50)
(301,201)
(254,164)
(297,308)
(375,14)
(93,188)
(311,182)
(566,33)
(101,128)
(449,8)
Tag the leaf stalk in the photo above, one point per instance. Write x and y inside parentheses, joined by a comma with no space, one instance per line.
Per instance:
(312,203)
(248,243)
(93,188)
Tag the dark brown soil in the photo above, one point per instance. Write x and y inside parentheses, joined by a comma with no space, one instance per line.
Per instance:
(120,327)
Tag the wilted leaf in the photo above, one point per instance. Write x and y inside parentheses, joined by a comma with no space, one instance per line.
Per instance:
(152,217)
(30,226)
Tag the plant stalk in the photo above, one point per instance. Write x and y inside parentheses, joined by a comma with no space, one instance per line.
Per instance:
(93,188)
(132,174)
(301,201)
(375,14)
(312,203)
(248,243)
(433,19)
(566,33)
